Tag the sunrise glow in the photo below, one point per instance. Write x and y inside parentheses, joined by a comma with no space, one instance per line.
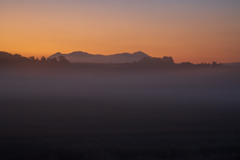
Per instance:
(196,31)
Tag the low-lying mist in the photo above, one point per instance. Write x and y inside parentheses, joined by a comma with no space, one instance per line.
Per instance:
(214,85)
(67,102)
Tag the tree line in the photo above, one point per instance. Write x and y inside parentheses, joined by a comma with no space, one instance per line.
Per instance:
(8,58)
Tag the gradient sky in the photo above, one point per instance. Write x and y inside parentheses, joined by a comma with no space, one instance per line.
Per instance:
(189,30)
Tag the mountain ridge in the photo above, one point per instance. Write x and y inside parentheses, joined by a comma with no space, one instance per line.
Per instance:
(80,56)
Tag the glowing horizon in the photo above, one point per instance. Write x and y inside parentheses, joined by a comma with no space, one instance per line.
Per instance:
(189,30)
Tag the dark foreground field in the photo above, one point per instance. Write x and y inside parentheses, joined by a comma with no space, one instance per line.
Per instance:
(180,114)
(130,147)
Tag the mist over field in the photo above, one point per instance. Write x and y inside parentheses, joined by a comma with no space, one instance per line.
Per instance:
(215,85)
(95,113)
(66,102)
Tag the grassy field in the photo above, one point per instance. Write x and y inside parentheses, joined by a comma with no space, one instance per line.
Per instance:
(154,146)
(170,115)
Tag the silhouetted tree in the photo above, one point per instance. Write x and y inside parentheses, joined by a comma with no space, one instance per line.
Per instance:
(204,64)
(165,61)
(17,56)
(43,59)
(31,58)
(186,64)
(214,63)
(6,58)
(168,60)
(146,60)
(156,60)
(220,64)
(52,60)
(63,60)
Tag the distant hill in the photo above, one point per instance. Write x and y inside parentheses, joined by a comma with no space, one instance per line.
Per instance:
(80,56)
(232,64)
(8,58)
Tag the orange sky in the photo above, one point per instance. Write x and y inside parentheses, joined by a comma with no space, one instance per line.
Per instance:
(188,31)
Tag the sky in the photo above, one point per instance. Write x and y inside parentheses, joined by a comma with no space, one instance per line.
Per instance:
(188,30)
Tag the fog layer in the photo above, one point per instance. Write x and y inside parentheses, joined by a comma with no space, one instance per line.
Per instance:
(57,102)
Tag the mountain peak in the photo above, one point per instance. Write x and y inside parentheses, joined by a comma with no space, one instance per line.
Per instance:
(140,53)
(58,53)
(55,55)
(79,53)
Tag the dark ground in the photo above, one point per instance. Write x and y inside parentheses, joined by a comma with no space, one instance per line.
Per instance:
(62,114)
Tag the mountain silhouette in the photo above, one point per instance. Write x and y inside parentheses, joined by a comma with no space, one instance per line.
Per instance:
(80,56)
